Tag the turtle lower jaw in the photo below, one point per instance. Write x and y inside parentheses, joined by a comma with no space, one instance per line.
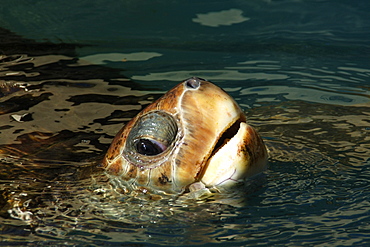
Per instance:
(239,154)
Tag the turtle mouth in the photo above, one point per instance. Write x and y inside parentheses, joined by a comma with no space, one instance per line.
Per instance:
(224,138)
(228,133)
(239,154)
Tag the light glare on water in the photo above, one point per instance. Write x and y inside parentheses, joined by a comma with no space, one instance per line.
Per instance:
(299,69)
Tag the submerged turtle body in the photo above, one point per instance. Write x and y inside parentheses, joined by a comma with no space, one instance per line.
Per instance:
(196,133)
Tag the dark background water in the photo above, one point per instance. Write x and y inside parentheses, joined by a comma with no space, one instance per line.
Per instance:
(300,70)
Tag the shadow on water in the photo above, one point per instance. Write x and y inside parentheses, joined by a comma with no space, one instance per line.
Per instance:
(58,115)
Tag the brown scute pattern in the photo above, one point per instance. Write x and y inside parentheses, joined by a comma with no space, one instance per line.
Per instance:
(163,179)
(254,146)
(202,119)
(131,173)
(201,113)
(168,103)
(200,142)
(158,177)
(116,167)
(115,148)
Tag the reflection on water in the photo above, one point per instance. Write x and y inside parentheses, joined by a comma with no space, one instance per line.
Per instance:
(318,140)
(222,18)
(62,104)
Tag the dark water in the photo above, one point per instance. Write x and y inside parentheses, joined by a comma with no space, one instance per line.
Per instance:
(73,72)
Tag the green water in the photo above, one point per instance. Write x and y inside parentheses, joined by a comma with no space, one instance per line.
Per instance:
(300,70)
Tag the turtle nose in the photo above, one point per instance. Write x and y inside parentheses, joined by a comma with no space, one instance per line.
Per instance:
(193,82)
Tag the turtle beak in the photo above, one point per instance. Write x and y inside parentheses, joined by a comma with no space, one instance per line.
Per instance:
(236,159)
(221,148)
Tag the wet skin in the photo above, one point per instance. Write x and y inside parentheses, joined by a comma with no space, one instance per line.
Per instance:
(194,134)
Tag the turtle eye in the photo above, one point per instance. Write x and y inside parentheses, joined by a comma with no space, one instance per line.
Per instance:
(151,139)
(149,147)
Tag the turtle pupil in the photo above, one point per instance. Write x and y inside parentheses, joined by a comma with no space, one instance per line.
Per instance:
(147,147)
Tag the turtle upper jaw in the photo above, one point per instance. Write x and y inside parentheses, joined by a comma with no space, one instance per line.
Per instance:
(239,154)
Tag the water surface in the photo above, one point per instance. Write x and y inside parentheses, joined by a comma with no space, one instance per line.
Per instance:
(73,73)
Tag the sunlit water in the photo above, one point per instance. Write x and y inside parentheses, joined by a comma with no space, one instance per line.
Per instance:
(300,70)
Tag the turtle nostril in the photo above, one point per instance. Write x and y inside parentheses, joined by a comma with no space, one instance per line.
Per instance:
(193,82)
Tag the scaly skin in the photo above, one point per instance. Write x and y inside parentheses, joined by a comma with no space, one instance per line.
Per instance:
(203,112)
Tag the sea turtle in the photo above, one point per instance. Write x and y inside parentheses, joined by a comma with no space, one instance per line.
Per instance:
(195,136)
(191,143)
